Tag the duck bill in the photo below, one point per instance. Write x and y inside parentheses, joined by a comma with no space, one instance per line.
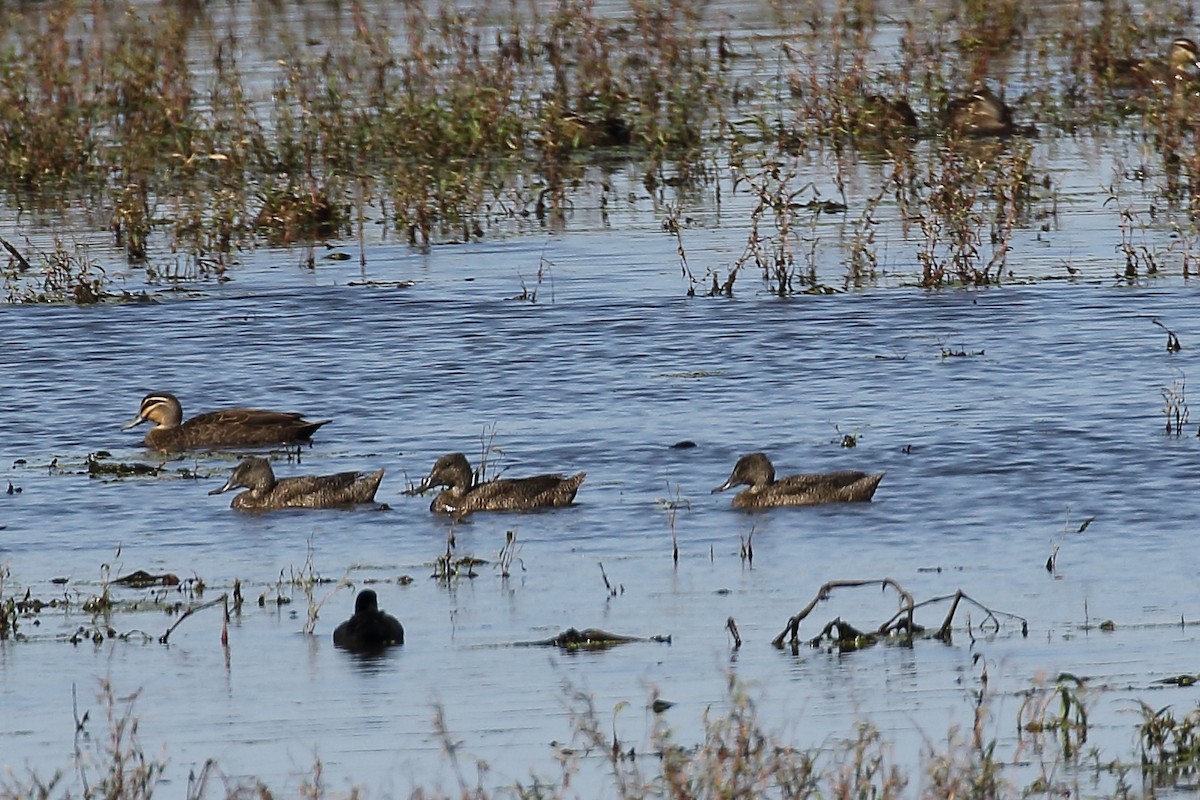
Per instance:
(228,485)
(421,488)
(729,484)
(138,420)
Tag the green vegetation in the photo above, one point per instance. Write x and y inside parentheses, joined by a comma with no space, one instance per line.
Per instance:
(187,138)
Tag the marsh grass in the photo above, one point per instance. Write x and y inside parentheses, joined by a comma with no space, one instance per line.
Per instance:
(201,140)
(733,755)
(65,274)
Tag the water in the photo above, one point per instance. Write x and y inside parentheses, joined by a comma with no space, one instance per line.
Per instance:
(1004,418)
(990,457)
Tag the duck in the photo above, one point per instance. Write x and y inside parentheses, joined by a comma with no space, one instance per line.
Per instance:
(981,113)
(231,427)
(265,492)
(1183,61)
(877,115)
(756,471)
(368,629)
(463,495)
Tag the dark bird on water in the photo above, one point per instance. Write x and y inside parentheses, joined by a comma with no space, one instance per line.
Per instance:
(369,629)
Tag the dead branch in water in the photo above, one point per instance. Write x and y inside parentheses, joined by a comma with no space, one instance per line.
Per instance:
(901,623)
(222,599)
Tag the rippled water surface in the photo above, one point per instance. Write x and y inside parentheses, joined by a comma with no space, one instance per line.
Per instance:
(1053,415)
(1004,418)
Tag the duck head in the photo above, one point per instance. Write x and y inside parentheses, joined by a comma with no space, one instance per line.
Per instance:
(1184,55)
(252,473)
(754,470)
(452,470)
(161,408)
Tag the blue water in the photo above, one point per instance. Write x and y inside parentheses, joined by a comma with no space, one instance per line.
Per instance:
(1004,418)
(1055,416)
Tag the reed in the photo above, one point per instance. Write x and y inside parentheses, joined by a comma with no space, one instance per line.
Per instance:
(447,124)
(734,755)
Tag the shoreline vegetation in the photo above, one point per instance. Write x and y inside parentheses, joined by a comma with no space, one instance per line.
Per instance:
(178,137)
(735,757)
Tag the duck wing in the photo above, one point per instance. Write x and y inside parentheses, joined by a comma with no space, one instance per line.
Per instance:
(323,491)
(845,486)
(254,425)
(815,480)
(538,491)
(254,417)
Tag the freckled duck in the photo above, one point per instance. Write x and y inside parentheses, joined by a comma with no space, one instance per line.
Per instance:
(876,115)
(982,113)
(755,470)
(463,495)
(369,629)
(266,492)
(231,427)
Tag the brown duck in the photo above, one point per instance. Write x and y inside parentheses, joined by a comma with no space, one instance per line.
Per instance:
(463,495)
(266,492)
(877,115)
(982,113)
(369,629)
(755,470)
(231,427)
(1183,61)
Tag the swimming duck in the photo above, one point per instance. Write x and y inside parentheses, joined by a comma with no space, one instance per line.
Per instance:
(1183,61)
(266,492)
(231,427)
(981,113)
(463,495)
(755,470)
(369,629)
(879,116)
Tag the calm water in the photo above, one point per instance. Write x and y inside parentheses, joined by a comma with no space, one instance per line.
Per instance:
(1053,414)
(987,456)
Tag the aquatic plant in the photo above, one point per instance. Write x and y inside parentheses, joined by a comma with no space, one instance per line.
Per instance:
(1169,745)
(901,625)
(62,275)
(446,124)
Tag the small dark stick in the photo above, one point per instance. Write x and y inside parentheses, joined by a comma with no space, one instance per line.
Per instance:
(731,626)
(224,598)
(1173,344)
(612,592)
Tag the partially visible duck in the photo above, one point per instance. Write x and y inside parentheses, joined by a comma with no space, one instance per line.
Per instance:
(232,427)
(463,495)
(369,629)
(1181,66)
(876,115)
(981,113)
(266,492)
(756,471)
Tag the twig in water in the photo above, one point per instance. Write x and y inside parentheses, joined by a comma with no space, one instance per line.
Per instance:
(731,626)
(507,553)
(1173,344)
(1051,562)
(612,590)
(223,599)
(900,622)
(748,548)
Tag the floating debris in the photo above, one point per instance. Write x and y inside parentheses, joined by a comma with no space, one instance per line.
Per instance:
(590,639)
